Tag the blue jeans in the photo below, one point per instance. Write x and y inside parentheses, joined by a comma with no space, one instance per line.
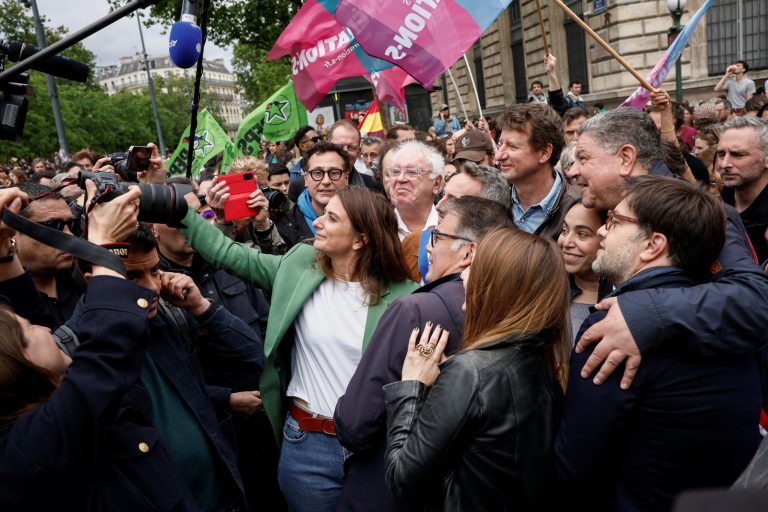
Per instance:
(311,469)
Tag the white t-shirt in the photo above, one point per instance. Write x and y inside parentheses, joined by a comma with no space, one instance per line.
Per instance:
(328,344)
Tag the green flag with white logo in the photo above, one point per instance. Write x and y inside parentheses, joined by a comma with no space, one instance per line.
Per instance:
(276,119)
(210,140)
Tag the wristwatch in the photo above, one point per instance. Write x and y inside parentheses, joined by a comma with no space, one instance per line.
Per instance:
(11,254)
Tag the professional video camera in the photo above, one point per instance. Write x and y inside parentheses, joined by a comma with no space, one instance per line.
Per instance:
(160,204)
(13,103)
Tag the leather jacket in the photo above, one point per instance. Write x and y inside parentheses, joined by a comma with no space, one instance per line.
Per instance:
(482,438)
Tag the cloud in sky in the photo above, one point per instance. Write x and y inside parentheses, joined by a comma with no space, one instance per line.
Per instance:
(119,39)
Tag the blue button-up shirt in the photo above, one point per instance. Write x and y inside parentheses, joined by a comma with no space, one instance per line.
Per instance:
(529,220)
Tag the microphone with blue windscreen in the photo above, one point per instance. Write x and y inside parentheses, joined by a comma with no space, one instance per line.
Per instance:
(186,40)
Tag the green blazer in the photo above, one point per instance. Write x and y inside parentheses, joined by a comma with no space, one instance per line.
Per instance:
(291,279)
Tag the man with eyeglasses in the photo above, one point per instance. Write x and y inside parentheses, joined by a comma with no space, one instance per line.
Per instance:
(414,181)
(623,142)
(637,449)
(59,284)
(328,170)
(360,416)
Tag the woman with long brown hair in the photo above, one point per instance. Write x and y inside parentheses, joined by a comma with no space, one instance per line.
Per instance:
(327,299)
(482,437)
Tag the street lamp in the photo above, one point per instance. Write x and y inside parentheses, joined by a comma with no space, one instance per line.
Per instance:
(676,8)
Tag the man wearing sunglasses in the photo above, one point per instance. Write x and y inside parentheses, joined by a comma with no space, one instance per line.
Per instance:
(360,417)
(305,138)
(51,270)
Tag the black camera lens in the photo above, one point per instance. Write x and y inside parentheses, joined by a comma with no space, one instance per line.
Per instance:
(276,199)
(159,204)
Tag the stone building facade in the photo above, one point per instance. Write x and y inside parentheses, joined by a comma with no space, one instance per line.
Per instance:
(510,54)
(218,83)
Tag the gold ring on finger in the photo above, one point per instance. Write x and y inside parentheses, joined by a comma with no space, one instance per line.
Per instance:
(426,350)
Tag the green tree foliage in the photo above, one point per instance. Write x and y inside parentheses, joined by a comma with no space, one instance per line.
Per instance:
(91,117)
(257,77)
(250,28)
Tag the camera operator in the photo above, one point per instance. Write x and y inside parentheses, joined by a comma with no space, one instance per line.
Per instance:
(64,444)
(59,284)
(193,418)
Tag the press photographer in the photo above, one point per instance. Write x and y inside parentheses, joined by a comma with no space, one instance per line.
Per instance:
(189,417)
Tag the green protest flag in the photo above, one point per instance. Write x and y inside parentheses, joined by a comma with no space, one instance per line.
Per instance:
(210,140)
(276,119)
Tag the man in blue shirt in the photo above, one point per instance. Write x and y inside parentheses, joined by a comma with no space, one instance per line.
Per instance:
(529,147)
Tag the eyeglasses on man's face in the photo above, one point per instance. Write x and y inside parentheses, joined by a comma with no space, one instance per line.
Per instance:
(613,217)
(436,235)
(318,174)
(410,173)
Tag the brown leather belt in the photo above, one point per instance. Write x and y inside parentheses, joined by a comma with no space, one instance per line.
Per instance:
(308,422)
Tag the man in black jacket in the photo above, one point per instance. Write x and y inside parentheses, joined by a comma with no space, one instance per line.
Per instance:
(360,416)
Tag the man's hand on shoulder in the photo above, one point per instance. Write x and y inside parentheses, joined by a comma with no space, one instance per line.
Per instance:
(615,345)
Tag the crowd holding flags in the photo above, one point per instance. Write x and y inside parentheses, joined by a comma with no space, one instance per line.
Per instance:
(391,44)
(210,140)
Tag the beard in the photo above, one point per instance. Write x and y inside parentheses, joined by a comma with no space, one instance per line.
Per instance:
(617,265)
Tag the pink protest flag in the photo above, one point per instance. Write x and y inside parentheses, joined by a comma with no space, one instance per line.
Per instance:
(639,99)
(424,37)
(390,85)
(322,51)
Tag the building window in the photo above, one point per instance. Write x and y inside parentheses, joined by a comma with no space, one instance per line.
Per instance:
(726,43)
(477,50)
(577,48)
(518,52)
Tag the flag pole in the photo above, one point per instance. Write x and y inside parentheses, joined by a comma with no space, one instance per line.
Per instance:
(541,25)
(458,95)
(474,85)
(605,45)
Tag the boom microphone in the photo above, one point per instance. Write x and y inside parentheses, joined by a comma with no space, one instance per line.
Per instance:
(61,67)
(186,40)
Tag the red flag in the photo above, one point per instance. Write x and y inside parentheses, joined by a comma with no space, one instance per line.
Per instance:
(390,85)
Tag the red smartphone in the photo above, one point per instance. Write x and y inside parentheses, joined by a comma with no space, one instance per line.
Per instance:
(241,185)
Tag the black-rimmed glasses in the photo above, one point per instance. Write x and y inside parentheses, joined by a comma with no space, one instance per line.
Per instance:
(319,174)
(59,224)
(435,237)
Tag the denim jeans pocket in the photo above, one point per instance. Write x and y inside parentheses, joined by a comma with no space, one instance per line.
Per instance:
(291,431)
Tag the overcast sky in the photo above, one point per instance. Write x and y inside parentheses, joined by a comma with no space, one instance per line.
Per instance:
(117,40)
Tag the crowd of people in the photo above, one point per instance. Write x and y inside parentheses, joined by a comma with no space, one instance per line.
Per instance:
(554,308)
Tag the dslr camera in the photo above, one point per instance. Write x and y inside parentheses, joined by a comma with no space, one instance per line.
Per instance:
(159,204)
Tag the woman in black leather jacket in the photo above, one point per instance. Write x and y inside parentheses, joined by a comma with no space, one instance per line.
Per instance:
(482,437)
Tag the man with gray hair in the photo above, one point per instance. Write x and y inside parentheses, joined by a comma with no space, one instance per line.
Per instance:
(471,179)
(415,178)
(742,158)
(360,417)
(623,142)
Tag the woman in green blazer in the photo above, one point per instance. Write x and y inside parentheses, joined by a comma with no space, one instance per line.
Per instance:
(326,302)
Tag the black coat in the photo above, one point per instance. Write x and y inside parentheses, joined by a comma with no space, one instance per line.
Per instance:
(74,452)
(482,438)
(360,416)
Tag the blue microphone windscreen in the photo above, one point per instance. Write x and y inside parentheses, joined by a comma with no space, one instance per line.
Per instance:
(184,44)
